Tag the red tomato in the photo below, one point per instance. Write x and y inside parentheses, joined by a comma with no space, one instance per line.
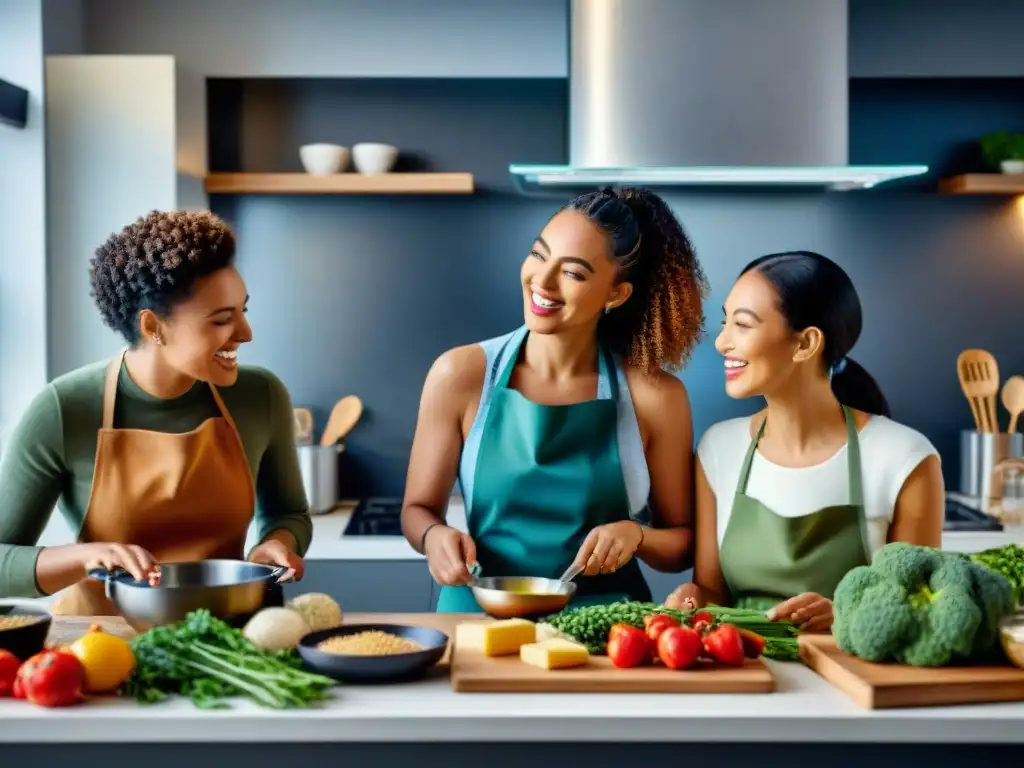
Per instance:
(657,624)
(628,647)
(53,678)
(9,664)
(725,645)
(679,647)
(18,689)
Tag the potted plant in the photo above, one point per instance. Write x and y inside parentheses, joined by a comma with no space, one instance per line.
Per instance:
(1004,151)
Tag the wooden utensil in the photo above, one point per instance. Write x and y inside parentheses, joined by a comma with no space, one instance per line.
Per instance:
(1013,400)
(303,426)
(880,686)
(979,379)
(344,415)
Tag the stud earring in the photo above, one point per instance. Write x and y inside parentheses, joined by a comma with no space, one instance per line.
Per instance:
(158,340)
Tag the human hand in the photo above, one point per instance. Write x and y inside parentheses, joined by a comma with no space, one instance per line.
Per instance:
(110,555)
(450,554)
(809,611)
(686,597)
(609,547)
(276,552)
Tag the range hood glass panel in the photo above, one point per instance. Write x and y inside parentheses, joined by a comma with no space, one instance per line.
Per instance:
(838,177)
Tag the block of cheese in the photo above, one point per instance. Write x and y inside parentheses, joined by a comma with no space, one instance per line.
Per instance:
(555,653)
(496,638)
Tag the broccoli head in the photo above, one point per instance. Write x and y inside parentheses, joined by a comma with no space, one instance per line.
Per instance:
(919,606)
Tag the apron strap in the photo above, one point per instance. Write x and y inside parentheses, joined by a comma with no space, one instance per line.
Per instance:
(223,409)
(607,373)
(110,389)
(853,469)
(741,487)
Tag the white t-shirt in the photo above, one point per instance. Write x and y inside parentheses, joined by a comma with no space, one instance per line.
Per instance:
(889,452)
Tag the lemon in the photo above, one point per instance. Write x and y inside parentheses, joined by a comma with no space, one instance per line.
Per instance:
(108,660)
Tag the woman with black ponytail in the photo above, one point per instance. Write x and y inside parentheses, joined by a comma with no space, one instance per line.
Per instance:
(570,438)
(790,500)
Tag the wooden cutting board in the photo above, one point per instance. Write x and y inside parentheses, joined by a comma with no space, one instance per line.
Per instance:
(882,686)
(472,672)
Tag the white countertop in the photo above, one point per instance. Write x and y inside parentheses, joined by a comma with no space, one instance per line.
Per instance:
(803,709)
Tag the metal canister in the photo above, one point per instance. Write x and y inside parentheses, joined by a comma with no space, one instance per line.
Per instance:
(319,465)
(979,454)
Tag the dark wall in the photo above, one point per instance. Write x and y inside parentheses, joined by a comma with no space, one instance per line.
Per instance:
(360,294)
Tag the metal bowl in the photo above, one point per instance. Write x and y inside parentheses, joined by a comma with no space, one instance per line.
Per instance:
(28,639)
(374,669)
(232,590)
(506,597)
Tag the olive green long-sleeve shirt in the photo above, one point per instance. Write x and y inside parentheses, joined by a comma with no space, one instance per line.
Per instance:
(49,460)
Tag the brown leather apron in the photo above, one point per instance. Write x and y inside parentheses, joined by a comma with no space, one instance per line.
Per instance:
(182,497)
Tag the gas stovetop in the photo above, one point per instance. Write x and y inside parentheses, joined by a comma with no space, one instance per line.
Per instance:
(962,517)
(375,517)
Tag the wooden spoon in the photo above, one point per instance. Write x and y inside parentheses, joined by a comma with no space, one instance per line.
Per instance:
(979,379)
(303,426)
(1013,400)
(344,415)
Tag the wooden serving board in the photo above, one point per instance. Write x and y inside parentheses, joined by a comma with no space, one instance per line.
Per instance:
(883,686)
(472,672)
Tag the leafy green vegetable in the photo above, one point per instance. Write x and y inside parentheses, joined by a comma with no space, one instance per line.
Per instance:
(208,661)
(589,625)
(920,606)
(1009,561)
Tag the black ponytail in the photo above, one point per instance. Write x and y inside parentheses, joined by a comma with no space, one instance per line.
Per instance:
(815,292)
(661,323)
(855,388)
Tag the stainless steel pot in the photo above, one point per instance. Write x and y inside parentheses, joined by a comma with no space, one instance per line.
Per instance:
(319,466)
(231,590)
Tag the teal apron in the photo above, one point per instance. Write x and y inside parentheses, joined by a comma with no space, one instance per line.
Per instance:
(545,476)
(766,558)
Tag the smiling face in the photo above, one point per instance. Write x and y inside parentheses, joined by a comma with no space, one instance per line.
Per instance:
(762,353)
(202,335)
(569,278)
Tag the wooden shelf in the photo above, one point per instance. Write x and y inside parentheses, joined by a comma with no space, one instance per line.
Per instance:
(983,184)
(339,184)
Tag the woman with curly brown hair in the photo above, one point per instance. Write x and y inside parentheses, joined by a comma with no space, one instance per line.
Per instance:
(570,438)
(167,452)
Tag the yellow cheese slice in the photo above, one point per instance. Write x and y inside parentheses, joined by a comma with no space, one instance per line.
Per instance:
(495,638)
(555,653)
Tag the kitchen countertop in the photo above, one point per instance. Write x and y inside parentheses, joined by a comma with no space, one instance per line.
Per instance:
(803,709)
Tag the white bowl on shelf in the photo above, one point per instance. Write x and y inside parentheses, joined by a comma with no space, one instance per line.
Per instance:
(371,158)
(323,159)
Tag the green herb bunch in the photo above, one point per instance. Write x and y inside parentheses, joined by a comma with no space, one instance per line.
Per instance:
(207,661)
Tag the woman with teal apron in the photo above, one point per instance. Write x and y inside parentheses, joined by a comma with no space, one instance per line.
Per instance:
(541,478)
(569,441)
(790,321)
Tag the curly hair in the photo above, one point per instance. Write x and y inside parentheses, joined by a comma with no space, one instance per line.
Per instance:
(661,323)
(154,264)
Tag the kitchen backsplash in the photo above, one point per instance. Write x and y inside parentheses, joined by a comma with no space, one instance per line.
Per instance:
(360,295)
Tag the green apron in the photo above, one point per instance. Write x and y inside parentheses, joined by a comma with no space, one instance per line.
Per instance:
(545,476)
(766,558)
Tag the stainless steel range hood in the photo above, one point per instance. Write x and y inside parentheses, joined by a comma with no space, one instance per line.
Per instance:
(708,92)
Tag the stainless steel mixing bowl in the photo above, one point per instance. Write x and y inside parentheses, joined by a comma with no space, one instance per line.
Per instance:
(230,589)
(506,597)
